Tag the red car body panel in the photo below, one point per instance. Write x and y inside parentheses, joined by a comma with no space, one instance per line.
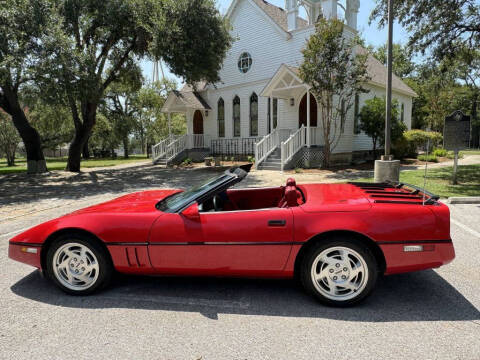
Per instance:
(252,241)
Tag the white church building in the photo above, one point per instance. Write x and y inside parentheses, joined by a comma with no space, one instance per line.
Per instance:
(261,107)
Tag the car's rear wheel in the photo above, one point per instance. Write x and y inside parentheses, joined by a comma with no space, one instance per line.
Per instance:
(339,272)
(78,265)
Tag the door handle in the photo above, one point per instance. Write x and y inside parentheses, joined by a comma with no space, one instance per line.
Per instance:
(277,223)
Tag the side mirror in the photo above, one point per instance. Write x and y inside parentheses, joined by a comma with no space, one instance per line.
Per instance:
(192,212)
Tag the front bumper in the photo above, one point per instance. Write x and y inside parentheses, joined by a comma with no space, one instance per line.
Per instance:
(25,253)
(399,261)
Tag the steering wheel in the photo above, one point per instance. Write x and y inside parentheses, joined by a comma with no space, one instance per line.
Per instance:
(217,203)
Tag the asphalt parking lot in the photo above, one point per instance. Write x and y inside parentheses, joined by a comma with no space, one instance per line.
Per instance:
(429,315)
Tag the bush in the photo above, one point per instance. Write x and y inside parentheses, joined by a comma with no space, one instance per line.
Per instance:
(451,155)
(251,159)
(402,148)
(429,158)
(439,152)
(187,161)
(420,138)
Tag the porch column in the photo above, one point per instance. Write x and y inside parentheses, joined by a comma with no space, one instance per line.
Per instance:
(308,119)
(169,115)
(271,114)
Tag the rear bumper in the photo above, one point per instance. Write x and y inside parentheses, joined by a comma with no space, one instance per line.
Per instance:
(25,253)
(399,261)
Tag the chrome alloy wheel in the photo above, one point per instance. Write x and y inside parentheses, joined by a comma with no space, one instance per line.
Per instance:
(339,273)
(75,266)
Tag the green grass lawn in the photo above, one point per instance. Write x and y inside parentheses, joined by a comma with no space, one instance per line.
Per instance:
(439,180)
(60,163)
(470,152)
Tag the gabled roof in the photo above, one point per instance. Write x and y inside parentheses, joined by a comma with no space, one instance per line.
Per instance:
(201,85)
(180,101)
(378,74)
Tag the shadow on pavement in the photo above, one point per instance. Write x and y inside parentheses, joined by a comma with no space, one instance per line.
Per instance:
(422,296)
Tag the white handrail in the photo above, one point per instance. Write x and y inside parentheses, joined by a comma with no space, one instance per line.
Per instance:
(292,145)
(266,146)
(160,149)
(176,147)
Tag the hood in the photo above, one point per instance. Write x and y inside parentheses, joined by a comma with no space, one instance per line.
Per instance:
(142,201)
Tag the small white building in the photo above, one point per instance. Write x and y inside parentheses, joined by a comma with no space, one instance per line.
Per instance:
(260,106)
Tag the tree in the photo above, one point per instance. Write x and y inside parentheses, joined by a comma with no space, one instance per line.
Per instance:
(151,124)
(436,25)
(9,138)
(467,66)
(119,105)
(21,25)
(93,42)
(372,121)
(335,74)
(403,65)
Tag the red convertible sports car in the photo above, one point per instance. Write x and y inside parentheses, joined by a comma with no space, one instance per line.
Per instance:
(337,239)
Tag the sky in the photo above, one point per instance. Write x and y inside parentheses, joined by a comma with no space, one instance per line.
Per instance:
(370,33)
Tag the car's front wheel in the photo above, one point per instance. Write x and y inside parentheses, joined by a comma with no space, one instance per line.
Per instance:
(78,265)
(339,272)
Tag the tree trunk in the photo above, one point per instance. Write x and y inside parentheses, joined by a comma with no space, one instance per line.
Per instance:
(31,139)
(82,133)
(86,150)
(374,149)
(125,147)
(475,126)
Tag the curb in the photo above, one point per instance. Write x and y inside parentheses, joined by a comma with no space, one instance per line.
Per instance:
(464,200)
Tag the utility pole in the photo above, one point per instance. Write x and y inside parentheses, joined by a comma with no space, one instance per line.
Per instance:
(388,169)
(388,122)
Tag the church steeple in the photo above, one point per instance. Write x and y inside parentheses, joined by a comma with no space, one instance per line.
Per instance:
(292,14)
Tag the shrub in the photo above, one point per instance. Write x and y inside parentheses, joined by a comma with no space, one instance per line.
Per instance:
(298,170)
(187,161)
(429,158)
(440,152)
(420,138)
(402,148)
(251,159)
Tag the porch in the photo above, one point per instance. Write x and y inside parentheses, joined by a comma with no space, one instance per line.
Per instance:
(294,128)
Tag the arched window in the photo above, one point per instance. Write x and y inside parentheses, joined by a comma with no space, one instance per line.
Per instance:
(221,118)
(254,115)
(236,116)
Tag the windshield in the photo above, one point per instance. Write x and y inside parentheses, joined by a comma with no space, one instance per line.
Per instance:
(178,201)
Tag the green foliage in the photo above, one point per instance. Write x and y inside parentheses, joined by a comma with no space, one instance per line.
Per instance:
(187,161)
(439,180)
(372,121)
(403,65)
(298,170)
(439,152)
(92,44)
(9,138)
(53,123)
(402,148)
(335,74)
(429,158)
(444,23)
(420,138)
(251,159)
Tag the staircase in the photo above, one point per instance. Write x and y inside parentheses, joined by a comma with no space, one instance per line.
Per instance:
(273,161)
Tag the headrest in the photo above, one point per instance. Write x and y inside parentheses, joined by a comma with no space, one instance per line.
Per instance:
(291,196)
(291,182)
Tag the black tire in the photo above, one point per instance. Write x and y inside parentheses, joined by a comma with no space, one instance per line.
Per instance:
(105,266)
(351,297)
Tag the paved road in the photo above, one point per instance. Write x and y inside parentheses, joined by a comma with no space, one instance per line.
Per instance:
(428,315)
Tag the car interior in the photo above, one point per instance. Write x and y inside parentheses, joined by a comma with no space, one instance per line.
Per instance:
(256,198)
